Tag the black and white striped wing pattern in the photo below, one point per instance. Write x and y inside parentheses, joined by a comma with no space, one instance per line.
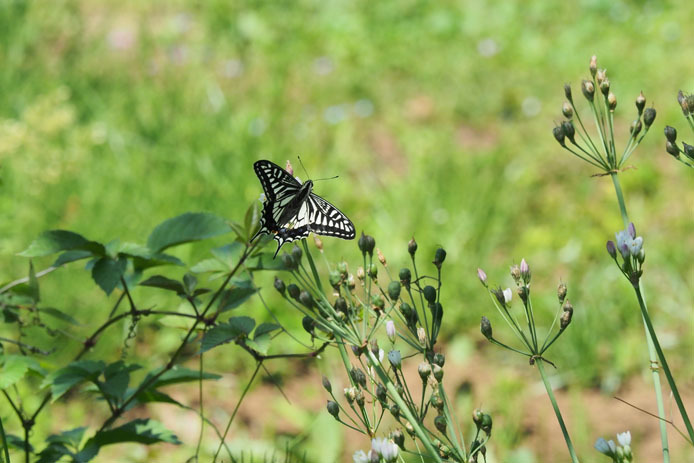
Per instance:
(313,215)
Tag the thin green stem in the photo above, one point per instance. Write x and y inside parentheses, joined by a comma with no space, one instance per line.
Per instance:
(236,409)
(620,199)
(663,362)
(539,362)
(202,411)
(4,442)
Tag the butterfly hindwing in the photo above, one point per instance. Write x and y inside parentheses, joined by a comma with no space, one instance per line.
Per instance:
(286,216)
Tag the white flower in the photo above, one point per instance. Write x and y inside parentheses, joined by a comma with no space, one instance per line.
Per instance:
(262,198)
(381,354)
(624,438)
(508,294)
(389,451)
(390,330)
(360,457)
(376,444)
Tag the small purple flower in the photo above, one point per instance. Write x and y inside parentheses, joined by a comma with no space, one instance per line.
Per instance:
(289,168)
(632,230)
(482,276)
(524,267)
(611,249)
(635,245)
(390,330)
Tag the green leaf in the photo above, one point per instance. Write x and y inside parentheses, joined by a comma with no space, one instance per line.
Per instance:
(265,328)
(107,272)
(71,256)
(116,380)
(158,281)
(14,368)
(239,291)
(72,437)
(17,442)
(152,395)
(251,221)
(227,332)
(66,378)
(190,282)
(55,313)
(54,241)
(210,265)
(191,226)
(144,431)
(262,337)
(180,374)
(144,258)
(265,261)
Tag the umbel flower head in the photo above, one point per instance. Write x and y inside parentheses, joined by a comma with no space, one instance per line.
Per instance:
(686,102)
(619,453)
(630,248)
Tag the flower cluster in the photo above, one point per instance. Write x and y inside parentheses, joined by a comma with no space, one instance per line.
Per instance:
(686,102)
(367,308)
(601,154)
(502,299)
(619,453)
(630,248)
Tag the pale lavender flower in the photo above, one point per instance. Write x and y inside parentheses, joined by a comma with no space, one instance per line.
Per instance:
(524,267)
(482,276)
(360,457)
(289,168)
(635,245)
(631,229)
(602,446)
(624,438)
(390,330)
(508,294)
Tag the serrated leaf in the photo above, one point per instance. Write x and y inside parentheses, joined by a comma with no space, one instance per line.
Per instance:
(144,431)
(107,273)
(260,344)
(191,226)
(55,313)
(116,380)
(210,265)
(227,332)
(159,281)
(71,256)
(14,368)
(265,328)
(54,241)
(156,260)
(66,378)
(153,395)
(72,437)
(239,291)
(229,253)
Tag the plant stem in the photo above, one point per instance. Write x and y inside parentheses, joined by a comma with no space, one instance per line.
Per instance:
(620,199)
(4,442)
(663,362)
(548,387)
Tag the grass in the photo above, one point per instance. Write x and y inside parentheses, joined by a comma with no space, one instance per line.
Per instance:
(117,115)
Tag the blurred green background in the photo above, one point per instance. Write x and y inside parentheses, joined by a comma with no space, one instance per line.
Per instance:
(437,117)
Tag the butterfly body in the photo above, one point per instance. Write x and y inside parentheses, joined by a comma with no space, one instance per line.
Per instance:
(292,210)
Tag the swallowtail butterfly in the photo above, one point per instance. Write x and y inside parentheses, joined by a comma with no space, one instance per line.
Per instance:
(292,210)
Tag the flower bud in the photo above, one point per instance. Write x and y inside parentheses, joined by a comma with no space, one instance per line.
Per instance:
(682,100)
(486,328)
(358,376)
(567,93)
(350,394)
(412,247)
(689,101)
(588,89)
(406,311)
(611,249)
(631,230)
(593,66)
(421,336)
(341,305)
(559,135)
(567,307)
(569,131)
(567,110)
(640,103)
(333,408)
(688,150)
(395,411)
(377,303)
(359,398)
(279,286)
(670,133)
(436,401)
(482,276)
(410,429)
(507,295)
(335,279)
(307,324)
(641,256)
(357,350)
(374,347)
(439,257)
(438,372)
(366,244)
(477,417)
(360,274)
(611,101)
(288,167)
(293,291)
(381,258)
(565,320)
(395,359)
(394,290)
(429,294)
(390,330)
(326,384)
(525,271)
(649,116)
(635,128)
(373,271)
(440,423)
(486,424)
(351,284)
(405,277)
(399,438)
(605,86)
(297,253)
(306,299)
(317,241)
(672,149)
(515,273)
(439,359)
(499,294)
(561,292)
(381,393)
(424,370)
(289,262)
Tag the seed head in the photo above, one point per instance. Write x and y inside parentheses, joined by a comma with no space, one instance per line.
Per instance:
(565,320)
(486,424)
(318,242)
(567,307)
(672,149)
(350,394)
(440,423)
(373,271)
(412,247)
(306,299)
(439,359)
(567,93)
(429,293)
(395,411)
(307,324)
(358,376)
(405,277)
(670,133)
(439,257)
(569,131)
(588,89)
(399,438)
(326,384)
(605,86)
(360,273)
(395,359)
(635,128)
(293,291)
(477,416)
(394,290)
(559,135)
(424,370)
(381,393)
(688,150)
(640,103)
(438,372)
(567,110)
(436,401)
(486,328)
(515,273)
(289,262)
(649,116)
(366,244)
(279,286)
(333,408)
(561,292)
(381,258)
(611,101)
(421,336)
(297,253)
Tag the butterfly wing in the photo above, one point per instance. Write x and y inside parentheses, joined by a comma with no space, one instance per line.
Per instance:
(326,219)
(279,188)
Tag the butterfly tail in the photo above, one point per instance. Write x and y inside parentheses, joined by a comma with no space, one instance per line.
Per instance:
(279,245)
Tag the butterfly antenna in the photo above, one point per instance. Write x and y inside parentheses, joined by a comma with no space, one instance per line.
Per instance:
(329,178)
(302,166)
